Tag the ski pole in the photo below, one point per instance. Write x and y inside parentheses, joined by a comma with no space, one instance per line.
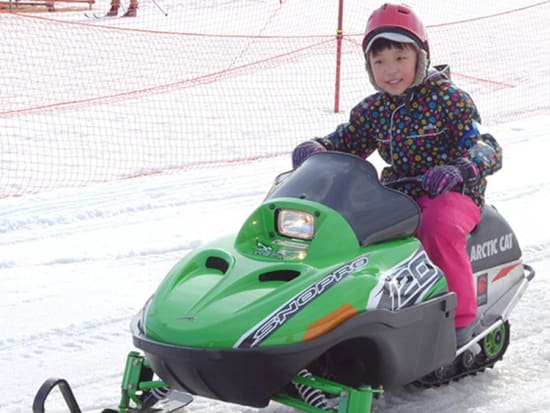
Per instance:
(160,8)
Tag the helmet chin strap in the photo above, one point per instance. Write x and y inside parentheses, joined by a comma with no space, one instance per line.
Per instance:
(422,66)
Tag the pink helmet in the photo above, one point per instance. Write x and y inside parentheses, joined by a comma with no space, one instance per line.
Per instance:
(398,23)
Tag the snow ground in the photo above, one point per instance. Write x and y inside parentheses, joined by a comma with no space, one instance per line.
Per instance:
(77,264)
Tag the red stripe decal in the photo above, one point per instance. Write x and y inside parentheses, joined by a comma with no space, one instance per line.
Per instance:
(504,272)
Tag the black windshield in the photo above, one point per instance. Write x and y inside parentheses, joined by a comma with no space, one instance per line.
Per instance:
(350,185)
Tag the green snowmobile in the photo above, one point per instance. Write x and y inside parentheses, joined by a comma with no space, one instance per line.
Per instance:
(323,299)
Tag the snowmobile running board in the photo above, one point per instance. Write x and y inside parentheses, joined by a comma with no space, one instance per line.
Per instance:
(528,276)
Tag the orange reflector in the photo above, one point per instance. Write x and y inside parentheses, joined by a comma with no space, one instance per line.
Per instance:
(328,322)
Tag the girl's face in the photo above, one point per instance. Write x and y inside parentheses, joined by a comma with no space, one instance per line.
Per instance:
(394,69)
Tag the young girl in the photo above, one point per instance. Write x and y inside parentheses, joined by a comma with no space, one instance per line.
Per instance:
(425,128)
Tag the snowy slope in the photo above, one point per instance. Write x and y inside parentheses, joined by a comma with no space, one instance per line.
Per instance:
(76,265)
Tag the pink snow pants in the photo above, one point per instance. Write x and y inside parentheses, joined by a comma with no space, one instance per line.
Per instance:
(444,226)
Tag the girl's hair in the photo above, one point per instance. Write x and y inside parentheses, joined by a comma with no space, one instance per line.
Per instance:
(382,44)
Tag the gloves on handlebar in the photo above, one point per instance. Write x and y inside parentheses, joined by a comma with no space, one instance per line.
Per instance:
(468,170)
(304,151)
(443,178)
(440,179)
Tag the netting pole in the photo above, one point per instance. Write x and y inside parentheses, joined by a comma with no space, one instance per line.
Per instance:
(339,37)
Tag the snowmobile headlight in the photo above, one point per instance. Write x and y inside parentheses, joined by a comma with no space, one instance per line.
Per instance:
(296,224)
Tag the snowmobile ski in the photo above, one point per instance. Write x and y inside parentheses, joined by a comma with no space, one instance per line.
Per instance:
(140,394)
(38,405)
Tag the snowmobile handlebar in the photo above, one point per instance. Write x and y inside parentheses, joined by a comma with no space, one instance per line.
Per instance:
(415,179)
